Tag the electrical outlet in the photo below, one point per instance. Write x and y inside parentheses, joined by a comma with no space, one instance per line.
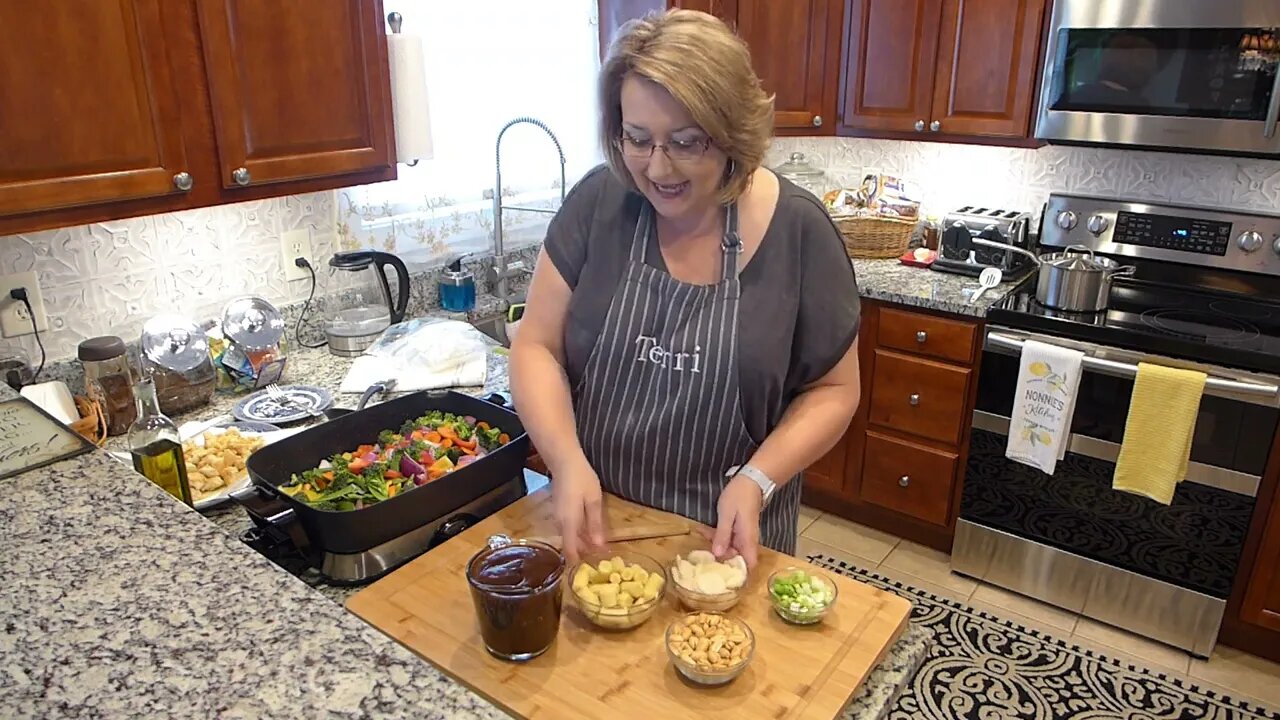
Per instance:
(14,321)
(295,244)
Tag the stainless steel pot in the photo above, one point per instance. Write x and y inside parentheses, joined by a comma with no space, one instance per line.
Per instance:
(1076,280)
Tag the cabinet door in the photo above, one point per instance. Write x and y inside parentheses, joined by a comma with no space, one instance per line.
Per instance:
(298,89)
(988,53)
(1262,597)
(111,130)
(794,48)
(890,55)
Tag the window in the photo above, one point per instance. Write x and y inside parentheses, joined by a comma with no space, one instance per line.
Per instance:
(488,61)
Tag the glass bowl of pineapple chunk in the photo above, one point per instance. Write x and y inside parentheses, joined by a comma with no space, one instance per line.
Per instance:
(619,591)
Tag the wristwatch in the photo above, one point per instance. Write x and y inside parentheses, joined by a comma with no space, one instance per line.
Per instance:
(757,476)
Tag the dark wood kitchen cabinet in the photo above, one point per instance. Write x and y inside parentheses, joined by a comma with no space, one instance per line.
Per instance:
(1252,620)
(905,452)
(291,88)
(120,108)
(795,49)
(941,69)
(91,107)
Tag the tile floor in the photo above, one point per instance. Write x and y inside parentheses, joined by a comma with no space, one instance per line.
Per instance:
(1229,670)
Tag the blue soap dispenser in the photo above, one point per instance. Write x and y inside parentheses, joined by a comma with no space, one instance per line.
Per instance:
(457,288)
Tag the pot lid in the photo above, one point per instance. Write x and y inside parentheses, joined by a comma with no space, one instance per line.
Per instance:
(174,343)
(798,167)
(252,323)
(1080,260)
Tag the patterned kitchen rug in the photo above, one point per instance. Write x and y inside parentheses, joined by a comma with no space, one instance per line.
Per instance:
(982,667)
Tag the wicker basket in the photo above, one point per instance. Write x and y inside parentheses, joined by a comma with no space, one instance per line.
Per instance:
(92,424)
(875,237)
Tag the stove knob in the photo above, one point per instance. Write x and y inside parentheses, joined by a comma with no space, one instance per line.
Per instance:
(1249,241)
(1067,220)
(1098,224)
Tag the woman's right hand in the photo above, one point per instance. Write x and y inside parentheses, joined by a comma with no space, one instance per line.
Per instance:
(579,510)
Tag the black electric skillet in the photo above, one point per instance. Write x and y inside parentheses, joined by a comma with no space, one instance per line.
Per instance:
(354,531)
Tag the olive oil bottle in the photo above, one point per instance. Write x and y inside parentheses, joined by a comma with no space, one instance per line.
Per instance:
(156,445)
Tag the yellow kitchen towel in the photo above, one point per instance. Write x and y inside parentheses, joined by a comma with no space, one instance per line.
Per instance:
(1157,435)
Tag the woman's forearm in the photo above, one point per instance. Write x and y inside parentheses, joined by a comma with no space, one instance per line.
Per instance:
(812,425)
(546,405)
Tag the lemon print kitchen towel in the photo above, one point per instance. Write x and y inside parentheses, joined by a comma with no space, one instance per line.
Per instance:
(1157,436)
(1043,404)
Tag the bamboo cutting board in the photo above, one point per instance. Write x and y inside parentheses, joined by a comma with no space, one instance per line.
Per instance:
(797,672)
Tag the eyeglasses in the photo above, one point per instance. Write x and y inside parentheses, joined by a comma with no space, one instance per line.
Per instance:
(676,150)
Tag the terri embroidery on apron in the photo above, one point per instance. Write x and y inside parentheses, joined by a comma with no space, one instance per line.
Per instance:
(658,405)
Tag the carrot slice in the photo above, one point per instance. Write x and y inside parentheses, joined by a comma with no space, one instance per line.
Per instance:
(465,444)
(504,438)
(446,443)
(432,437)
(392,475)
(357,465)
(482,425)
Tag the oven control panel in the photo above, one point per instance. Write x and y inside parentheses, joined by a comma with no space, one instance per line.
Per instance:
(1191,236)
(1188,234)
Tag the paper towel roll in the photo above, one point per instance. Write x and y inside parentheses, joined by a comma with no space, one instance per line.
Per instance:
(412,115)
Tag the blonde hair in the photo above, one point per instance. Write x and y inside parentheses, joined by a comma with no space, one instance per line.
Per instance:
(706,68)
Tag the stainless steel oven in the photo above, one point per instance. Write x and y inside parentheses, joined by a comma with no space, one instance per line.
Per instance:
(1071,540)
(1205,296)
(1197,75)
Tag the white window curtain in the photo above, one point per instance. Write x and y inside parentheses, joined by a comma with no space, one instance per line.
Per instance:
(487,62)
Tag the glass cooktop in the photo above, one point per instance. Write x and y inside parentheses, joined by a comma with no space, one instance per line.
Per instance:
(1231,330)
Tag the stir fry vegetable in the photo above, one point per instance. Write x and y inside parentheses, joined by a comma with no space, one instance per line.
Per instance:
(423,450)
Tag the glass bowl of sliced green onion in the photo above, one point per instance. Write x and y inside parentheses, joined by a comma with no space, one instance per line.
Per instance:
(801,596)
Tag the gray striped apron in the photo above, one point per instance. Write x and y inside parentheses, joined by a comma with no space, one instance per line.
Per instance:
(658,405)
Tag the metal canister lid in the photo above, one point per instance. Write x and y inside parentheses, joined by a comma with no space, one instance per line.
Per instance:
(101,348)
(174,343)
(252,323)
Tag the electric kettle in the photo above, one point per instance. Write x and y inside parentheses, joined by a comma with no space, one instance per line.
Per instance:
(361,306)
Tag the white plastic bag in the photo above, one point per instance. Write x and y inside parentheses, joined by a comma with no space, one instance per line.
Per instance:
(423,354)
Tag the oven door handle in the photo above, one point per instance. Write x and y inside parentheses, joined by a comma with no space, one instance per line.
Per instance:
(1273,110)
(1213,386)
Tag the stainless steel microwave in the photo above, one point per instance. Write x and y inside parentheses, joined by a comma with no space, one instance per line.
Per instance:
(1195,75)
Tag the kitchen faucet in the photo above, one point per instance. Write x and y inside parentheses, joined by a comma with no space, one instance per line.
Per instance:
(501,272)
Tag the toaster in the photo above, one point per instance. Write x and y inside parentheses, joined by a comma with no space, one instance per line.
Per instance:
(957,253)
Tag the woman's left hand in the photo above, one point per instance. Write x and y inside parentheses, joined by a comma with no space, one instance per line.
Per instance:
(738,525)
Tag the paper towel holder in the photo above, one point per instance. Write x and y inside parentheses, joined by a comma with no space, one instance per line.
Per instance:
(396,21)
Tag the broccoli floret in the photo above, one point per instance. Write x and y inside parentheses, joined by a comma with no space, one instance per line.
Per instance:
(387,438)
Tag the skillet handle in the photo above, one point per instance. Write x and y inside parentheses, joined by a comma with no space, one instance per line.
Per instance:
(273,511)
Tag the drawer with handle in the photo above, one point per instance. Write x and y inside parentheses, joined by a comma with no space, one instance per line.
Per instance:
(918,396)
(914,332)
(908,478)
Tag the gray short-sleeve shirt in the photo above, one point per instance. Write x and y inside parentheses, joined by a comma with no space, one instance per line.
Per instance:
(799,310)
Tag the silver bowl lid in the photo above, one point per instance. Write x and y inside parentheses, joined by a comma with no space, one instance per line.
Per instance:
(252,323)
(174,343)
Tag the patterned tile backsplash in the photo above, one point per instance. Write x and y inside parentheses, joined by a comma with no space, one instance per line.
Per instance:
(110,277)
(949,176)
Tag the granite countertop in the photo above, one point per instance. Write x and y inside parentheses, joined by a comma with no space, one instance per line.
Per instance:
(893,282)
(121,602)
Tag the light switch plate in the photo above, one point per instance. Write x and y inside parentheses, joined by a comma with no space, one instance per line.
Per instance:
(295,244)
(14,321)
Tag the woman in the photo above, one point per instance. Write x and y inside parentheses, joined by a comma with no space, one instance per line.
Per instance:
(689,342)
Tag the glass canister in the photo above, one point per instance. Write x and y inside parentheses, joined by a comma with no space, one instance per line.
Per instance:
(175,353)
(109,381)
(255,329)
(801,172)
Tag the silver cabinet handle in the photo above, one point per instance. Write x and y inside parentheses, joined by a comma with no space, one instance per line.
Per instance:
(919,126)
(183,181)
(240,175)
(817,121)
(921,336)
(914,399)
(904,481)
(1273,110)
(1212,386)
(935,126)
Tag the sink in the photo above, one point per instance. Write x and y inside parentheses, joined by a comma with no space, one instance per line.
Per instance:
(494,327)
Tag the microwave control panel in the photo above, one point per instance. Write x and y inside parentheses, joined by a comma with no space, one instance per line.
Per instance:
(1196,235)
